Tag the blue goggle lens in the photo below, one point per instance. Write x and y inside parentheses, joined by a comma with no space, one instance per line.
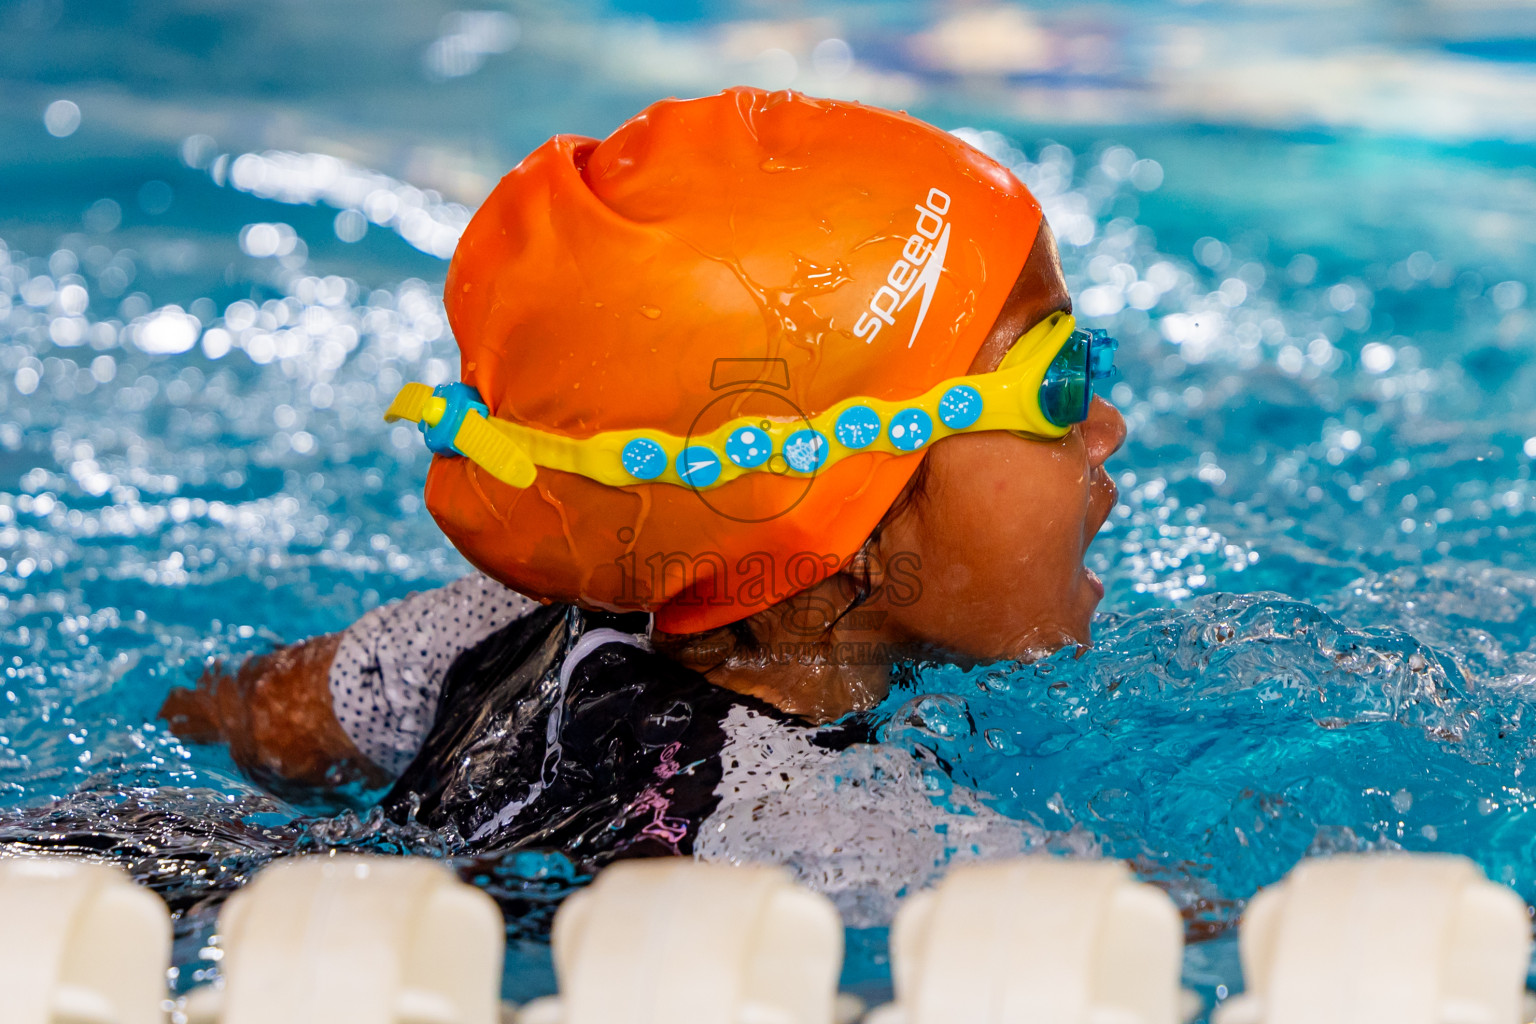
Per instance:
(1067,389)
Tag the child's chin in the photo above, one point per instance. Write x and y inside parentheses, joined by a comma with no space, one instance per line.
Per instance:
(1089,592)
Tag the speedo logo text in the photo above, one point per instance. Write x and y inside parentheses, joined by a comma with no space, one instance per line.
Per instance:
(915,273)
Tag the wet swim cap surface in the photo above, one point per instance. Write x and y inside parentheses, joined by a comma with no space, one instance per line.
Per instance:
(746,254)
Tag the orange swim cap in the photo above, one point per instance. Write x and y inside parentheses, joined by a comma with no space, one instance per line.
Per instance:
(746,254)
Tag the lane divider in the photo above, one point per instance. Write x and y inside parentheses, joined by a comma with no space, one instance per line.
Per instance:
(1383,937)
(1038,939)
(79,942)
(680,940)
(349,939)
(346,939)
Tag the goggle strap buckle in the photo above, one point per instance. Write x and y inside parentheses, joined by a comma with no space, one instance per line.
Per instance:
(456,422)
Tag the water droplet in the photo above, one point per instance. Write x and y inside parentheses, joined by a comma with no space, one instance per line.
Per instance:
(937,716)
(773,165)
(1000,741)
(650,312)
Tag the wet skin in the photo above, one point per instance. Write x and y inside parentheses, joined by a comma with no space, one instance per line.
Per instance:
(991,547)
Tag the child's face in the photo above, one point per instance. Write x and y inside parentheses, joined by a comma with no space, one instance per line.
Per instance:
(1002,525)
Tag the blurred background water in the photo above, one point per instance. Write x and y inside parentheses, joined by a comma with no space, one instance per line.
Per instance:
(223,231)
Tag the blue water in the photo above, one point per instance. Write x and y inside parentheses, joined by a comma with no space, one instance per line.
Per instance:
(1320,627)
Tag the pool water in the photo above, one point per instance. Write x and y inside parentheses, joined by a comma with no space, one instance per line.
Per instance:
(1320,626)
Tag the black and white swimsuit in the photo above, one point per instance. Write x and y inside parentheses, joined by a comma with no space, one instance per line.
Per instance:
(543,729)
(520,725)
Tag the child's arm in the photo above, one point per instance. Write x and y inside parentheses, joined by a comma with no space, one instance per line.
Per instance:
(275,713)
(351,705)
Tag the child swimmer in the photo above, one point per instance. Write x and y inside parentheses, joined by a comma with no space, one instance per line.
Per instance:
(761,395)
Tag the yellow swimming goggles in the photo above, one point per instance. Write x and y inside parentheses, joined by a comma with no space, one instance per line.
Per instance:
(1044,386)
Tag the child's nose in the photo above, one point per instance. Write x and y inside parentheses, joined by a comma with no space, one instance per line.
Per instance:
(1104,431)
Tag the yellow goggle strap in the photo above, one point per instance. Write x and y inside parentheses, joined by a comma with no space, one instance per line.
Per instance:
(457,423)
(454,420)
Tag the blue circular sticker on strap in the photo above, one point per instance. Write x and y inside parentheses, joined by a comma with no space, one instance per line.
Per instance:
(644,459)
(748,447)
(910,429)
(960,407)
(806,450)
(857,426)
(698,466)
